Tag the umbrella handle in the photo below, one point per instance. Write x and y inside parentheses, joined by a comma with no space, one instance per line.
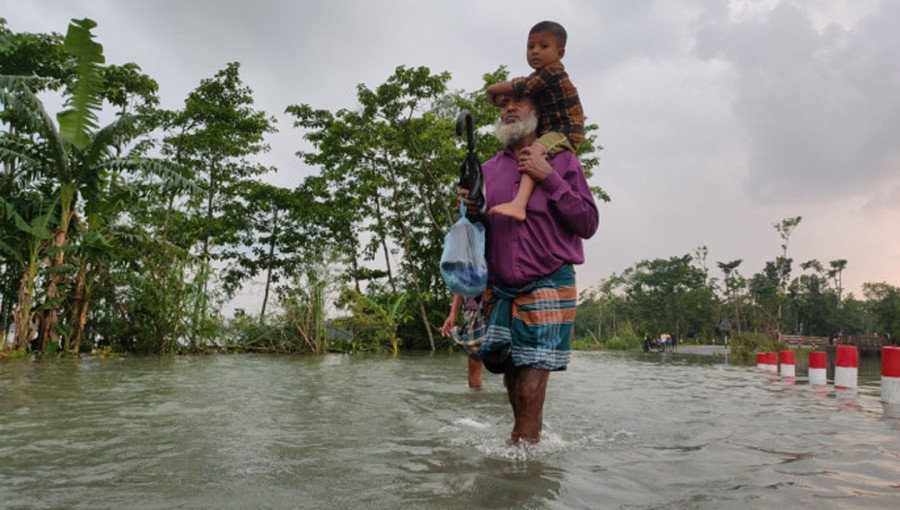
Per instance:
(466,117)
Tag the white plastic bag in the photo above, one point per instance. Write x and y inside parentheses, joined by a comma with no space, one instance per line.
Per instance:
(462,263)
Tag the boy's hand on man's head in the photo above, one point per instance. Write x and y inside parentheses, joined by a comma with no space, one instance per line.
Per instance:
(501,100)
(496,99)
(498,93)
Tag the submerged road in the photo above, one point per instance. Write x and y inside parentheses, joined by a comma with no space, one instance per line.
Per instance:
(706,350)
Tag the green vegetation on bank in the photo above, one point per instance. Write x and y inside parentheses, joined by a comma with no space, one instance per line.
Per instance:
(680,296)
(128,235)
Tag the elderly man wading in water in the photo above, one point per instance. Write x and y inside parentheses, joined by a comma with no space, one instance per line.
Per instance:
(531,296)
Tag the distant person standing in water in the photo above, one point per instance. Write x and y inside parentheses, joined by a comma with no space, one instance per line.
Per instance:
(474,366)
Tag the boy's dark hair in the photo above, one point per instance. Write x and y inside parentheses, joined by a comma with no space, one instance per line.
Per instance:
(554,28)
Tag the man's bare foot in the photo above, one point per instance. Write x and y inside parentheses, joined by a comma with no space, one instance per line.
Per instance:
(510,209)
(522,441)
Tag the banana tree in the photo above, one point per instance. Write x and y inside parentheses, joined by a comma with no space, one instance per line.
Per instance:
(72,157)
(26,249)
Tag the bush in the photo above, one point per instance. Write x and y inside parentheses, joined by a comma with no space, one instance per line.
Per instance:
(626,340)
(624,343)
(586,344)
(298,329)
(744,346)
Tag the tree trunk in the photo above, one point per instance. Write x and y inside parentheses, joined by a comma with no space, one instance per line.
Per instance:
(4,323)
(200,304)
(48,319)
(80,306)
(22,315)
(415,274)
(262,312)
(384,246)
(355,266)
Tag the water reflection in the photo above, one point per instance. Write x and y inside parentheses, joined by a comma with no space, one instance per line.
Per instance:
(517,484)
(891,411)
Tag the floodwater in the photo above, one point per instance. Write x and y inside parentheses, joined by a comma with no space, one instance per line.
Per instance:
(371,432)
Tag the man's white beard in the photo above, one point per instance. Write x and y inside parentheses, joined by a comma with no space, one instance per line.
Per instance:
(510,134)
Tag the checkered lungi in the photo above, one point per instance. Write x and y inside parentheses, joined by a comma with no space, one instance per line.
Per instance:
(533,323)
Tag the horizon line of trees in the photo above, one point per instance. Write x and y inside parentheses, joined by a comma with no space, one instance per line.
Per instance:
(129,236)
(680,296)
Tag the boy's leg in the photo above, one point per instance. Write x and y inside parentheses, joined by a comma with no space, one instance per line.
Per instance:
(548,144)
(516,208)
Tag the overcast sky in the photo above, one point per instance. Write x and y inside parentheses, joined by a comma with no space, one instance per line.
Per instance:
(718,118)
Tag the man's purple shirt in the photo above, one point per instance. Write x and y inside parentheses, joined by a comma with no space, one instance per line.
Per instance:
(561,212)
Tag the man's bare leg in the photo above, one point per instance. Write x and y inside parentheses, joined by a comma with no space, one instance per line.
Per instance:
(474,373)
(526,388)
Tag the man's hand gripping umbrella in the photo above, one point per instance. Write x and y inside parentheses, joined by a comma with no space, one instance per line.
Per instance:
(470,176)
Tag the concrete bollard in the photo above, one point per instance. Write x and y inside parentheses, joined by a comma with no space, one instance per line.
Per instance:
(817,364)
(890,375)
(788,368)
(846,367)
(760,361)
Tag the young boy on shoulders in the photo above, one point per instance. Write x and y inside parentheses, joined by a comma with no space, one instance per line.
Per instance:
(561,121)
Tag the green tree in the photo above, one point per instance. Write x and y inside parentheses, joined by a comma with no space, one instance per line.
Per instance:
(834,273)
(213,138)
(812,302)
(601,310)
(279,233)
(394,166)
(763,291)
(375,325)
(671,295)
(734,286)
(106,208)
(854,316)
(26,250)
(35,55)
(128,89)
(783,264)
(884,303)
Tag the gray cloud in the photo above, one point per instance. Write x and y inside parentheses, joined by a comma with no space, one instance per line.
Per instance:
(819,106)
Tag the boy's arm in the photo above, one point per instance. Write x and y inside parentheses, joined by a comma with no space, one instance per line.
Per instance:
(504,88)
(538,80)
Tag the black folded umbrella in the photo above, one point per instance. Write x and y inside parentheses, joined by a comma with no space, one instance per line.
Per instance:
(470,176)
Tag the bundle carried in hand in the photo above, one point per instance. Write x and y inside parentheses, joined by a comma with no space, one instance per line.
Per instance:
(463,265)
